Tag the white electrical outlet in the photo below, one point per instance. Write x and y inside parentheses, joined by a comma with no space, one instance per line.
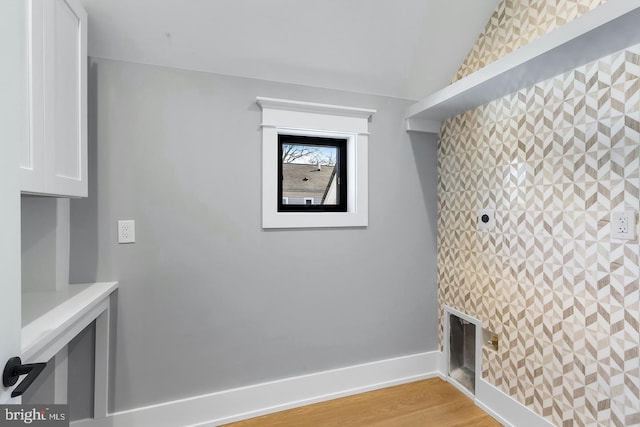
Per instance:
(623,225)
(127,231)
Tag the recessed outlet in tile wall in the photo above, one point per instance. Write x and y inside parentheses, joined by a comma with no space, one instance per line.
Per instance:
(486,218)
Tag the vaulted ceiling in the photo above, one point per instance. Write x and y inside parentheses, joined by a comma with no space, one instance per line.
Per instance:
(401,48)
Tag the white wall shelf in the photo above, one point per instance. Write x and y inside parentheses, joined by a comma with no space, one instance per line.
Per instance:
(611,27)
(51,319)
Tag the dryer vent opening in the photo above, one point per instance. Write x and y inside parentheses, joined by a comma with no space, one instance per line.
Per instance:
(462,352)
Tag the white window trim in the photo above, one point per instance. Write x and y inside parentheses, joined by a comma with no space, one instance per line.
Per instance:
(281,116)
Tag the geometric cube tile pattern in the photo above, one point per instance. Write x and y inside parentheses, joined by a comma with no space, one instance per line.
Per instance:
(515,23)
(553,161)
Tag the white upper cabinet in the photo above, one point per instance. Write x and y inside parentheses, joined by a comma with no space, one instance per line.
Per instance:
(54,158)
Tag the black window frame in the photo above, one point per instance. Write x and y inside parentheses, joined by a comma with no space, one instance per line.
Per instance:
(340,169)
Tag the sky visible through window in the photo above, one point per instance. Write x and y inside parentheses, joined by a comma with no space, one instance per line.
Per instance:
(309,154)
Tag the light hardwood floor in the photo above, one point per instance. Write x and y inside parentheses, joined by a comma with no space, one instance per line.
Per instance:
(431,402)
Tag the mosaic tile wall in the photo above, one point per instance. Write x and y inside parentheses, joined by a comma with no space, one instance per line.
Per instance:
(516,23)
(554,161)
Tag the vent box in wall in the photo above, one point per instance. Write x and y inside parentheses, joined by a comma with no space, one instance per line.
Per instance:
(462,349)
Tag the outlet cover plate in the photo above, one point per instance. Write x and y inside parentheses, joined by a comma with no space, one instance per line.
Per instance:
(486,218)
(126,231)
(621,220)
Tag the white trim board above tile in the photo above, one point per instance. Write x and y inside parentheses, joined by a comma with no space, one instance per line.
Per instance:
(610,27)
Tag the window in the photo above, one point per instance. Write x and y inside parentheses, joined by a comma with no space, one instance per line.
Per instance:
(313,174)
(325,134)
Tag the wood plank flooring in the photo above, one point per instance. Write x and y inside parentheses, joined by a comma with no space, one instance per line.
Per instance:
(431,402)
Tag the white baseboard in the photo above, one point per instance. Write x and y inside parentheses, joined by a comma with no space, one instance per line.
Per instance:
(265,398)
(506,409)
(260,399)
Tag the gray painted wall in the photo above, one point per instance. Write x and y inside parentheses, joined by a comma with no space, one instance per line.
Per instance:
(42,391)
(180,153)
(81,368)
(38,237)
(45,243)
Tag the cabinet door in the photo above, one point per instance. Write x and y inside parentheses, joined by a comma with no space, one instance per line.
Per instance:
(31,147)
(65,98)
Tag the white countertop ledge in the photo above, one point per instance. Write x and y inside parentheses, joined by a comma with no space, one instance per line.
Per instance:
(50,319)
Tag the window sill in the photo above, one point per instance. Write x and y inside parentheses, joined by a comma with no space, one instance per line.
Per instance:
(314,220)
